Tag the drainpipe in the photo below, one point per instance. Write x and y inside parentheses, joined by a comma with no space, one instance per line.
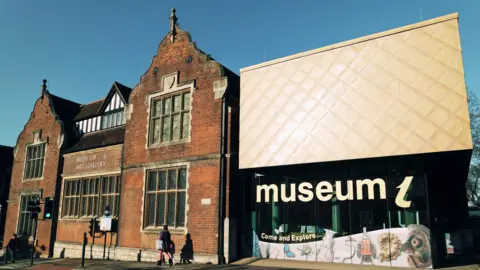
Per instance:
(120,193)
(56,200)
(223,173)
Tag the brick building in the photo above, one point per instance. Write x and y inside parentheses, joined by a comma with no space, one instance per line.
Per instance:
(162,153)
(6,162)
(172,154)
(38,163)
(91,176)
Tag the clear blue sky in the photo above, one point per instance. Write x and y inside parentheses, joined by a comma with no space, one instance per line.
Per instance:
(81,47)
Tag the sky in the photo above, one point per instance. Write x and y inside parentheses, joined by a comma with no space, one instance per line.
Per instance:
(82,47)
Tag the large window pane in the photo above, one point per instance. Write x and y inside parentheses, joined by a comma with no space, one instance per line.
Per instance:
(166,129)
(177,104)
(172,179)
(176,127)
(166,106)
(181,209)
(152,181)
(156,130)
(83,208)
(119,118)
(157,108)
(150,210)
(182,181)
(185,125)
(186,101)
(163,180)
(171,209)
(111,185)
(161,209)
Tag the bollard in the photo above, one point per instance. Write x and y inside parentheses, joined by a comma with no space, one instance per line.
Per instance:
(85,240)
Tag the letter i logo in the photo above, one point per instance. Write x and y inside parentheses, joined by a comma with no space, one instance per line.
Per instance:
(400,199)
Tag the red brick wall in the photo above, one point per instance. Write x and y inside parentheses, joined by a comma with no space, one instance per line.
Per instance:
(201,219)
(41,118)
(203,177)
(72,230)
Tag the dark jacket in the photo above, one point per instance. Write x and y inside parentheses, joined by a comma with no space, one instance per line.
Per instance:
(12,244)
(166,239)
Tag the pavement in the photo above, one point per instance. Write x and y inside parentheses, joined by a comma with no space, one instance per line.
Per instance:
(247,264)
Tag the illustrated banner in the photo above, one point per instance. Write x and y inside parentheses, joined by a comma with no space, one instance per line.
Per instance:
(402,247)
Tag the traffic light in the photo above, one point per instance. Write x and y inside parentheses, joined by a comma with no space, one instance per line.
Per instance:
(48,209)
(93,227)
(34,207)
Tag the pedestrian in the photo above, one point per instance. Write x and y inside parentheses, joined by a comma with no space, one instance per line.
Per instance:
(12,248)
(172,251)
(187,250)
(166,243)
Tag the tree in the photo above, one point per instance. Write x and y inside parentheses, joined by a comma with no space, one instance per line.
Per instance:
(473,182)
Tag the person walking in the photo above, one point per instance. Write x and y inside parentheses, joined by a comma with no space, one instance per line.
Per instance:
(12,248)
(187,250)
(165,238)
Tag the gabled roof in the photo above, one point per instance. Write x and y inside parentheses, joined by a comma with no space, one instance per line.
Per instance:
(66,110)
(125,91)
(97,107)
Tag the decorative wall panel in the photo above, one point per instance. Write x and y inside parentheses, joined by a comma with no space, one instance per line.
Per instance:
(394,93)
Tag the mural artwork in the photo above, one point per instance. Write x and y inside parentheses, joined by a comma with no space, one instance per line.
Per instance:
(402,247)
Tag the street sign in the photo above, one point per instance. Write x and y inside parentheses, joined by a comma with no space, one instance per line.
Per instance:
(106,224)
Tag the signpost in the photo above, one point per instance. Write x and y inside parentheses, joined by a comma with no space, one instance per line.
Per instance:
(105,226)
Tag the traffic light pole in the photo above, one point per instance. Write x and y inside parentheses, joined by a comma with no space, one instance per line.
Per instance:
(34,239)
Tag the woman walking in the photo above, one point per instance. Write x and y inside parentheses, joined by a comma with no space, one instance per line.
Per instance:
(166,243)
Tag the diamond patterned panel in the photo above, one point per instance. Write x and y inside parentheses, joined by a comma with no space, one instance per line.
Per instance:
(396,93)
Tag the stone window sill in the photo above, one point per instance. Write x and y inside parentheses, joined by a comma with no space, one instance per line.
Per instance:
(176,231)
(159,145)
(32,179)
(82,219)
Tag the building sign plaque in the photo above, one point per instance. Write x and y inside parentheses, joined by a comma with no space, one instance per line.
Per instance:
(103,159)
(91,161)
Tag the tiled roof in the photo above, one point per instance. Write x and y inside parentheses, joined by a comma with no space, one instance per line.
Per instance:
(66,111)
(98,139)
(89,110)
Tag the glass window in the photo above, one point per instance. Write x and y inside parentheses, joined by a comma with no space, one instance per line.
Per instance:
(165,198)
(113,119)
(170,118)
(35,158)
(25,223)
(88,197)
